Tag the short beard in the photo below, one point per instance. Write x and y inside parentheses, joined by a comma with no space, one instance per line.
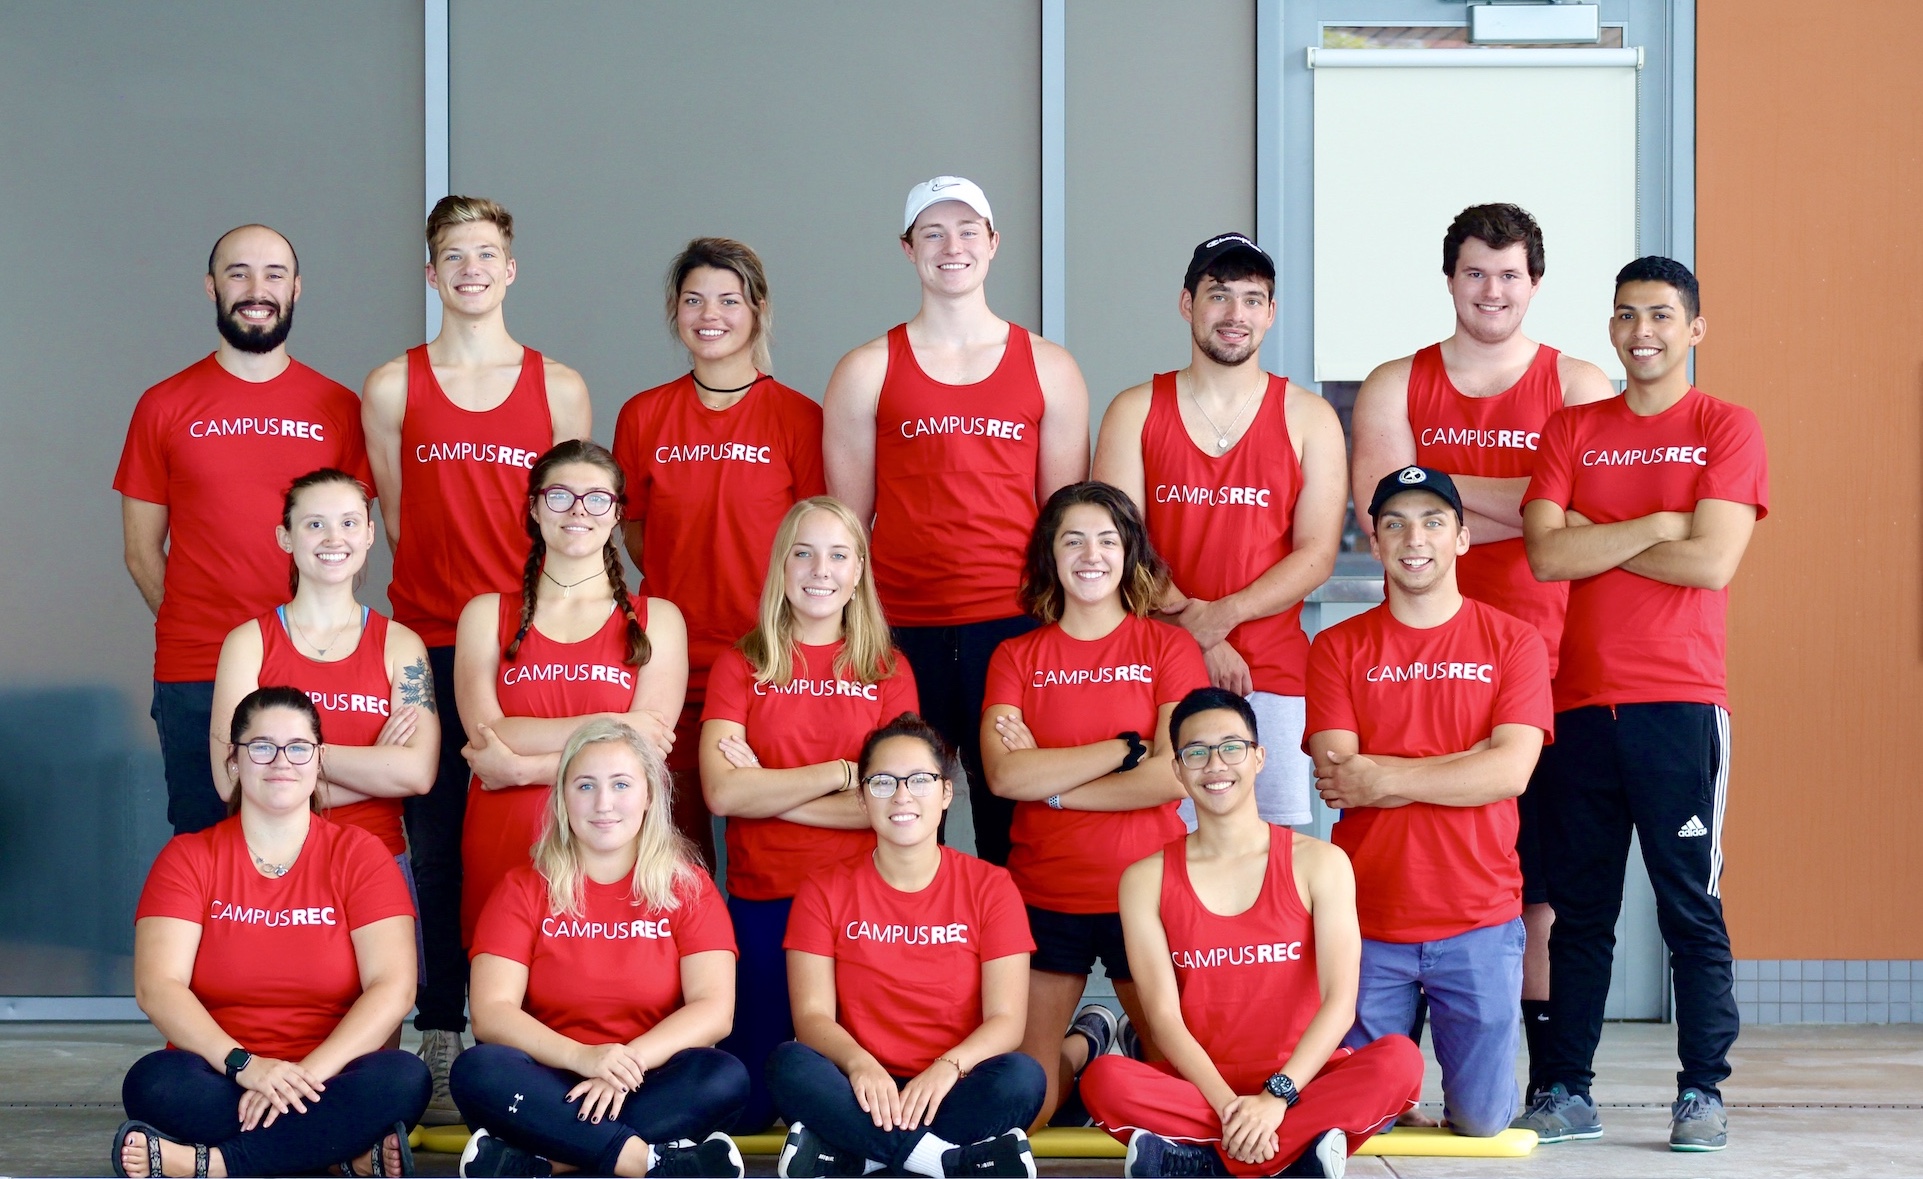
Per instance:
(1227,358)
(248,338)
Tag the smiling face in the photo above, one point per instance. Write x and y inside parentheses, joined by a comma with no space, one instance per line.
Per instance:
(280,786)
(901,818)
(1229,319)
(1653,330)
(951,247)
(1217,787)
(472,268)
(577,532)
(1491,289)
(607,796)
(822,568)
(330,537)
(713,316)
(254,286)
(1090,558)
(1418,538)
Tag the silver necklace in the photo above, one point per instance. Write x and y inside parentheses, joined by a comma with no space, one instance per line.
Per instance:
(316,647)
(1222,434)
(267,866)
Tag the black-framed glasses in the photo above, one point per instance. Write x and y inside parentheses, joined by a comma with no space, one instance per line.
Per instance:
(561,500)
(262,752)
(921,785)
(1233,752)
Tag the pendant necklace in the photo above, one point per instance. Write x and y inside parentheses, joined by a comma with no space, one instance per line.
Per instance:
(272,869)
(1221,433)
(568,585)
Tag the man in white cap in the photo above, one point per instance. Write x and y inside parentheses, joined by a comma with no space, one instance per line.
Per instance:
(950,432)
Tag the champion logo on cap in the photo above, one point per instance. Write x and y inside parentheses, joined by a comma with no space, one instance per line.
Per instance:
(1412,475)
(1228,237)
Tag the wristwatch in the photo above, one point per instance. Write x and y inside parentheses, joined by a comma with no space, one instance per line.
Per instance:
(1137,750)
(1281,1086)
(237,1060)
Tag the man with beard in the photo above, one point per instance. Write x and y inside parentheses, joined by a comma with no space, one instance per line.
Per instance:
(1240,475)
(1474,405)
(208,456)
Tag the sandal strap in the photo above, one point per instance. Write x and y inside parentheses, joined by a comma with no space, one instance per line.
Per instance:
(200,1161)
(153,1154)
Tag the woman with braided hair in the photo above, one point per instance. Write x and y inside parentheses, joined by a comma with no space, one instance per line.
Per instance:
(572,646)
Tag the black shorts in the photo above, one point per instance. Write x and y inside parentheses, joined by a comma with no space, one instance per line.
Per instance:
(1069,943)
(1535,889)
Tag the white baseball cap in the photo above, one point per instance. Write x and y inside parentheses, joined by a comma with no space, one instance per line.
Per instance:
(945,188)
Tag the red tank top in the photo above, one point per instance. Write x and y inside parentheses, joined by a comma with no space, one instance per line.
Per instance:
(549,680)
(1227,967)
(1494,438)
(463,495)
(352,696)
(1222,520)
(955,470)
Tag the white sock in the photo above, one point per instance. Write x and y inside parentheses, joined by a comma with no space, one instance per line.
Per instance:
(925,1159)
(870,1166)
(652,1158)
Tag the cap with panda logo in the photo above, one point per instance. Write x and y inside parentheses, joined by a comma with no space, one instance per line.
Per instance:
(1436,483)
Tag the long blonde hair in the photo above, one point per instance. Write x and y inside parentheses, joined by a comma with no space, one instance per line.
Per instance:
(664,859)
(867,652)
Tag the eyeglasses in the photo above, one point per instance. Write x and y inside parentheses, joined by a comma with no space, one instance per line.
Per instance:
(921,785)
(263,752)
(561,500)
(1233,752)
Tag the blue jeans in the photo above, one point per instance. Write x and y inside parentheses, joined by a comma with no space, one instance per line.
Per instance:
(1473,984)
(184,716)
(1001,1093)
(524,1103)
(761,1016)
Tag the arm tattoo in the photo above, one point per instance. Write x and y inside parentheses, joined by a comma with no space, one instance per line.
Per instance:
(417,687)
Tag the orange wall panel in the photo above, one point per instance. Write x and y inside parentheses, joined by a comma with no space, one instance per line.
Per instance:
(1809,176)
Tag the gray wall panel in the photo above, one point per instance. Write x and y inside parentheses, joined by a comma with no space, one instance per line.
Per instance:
(616,132)
(1161,154)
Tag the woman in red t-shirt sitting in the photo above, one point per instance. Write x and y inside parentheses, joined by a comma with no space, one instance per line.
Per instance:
(1075,729)
(908,969)
(603,976)
(275,951)
(787,710)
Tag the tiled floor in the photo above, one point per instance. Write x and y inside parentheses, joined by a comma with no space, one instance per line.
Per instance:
(1828,1100)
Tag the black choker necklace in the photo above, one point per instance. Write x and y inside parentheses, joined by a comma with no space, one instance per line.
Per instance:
(759,377)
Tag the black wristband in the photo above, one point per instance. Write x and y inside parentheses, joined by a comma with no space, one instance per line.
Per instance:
(1137,750)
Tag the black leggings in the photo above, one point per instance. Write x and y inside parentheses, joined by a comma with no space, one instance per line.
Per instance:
(187,1099)
(524,1103)
(434,841)
(1001,1093)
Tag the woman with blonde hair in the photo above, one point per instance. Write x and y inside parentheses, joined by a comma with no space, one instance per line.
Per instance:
(713,458)
(602,977)
(787,709)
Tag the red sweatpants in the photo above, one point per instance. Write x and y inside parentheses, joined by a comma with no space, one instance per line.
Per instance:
(1356,1092)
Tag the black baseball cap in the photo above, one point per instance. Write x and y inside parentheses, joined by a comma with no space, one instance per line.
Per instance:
(1223,244)
(1436,483)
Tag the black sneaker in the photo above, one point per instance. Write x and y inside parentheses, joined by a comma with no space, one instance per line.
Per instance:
(806,1155)
(1098,1025)
(712,1157)
(1152,1155)
(1004,1154)
(486,1155)
(1326,1158)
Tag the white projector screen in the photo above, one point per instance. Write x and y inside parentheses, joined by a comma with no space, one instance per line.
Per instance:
(1399,151)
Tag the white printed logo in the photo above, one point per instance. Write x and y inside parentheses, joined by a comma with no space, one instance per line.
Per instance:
(1411,475)
(1692,828)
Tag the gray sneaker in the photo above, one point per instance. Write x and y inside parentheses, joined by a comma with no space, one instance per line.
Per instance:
(1557,1115)
(438,1050)
(1697,1122)
(1096,1024)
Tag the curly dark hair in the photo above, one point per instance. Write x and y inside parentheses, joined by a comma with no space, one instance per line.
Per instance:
(1144,574)
(1498,227)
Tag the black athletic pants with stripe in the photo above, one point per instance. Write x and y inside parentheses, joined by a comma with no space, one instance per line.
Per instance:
(1663,770)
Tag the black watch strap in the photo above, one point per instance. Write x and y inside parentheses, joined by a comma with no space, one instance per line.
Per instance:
(1281,1086)
(1137,750)
(237,1060)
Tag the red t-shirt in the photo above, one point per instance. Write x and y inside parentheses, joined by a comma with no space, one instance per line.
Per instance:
(1494,438)
(546,679)
(1072,692)
(1222,521)
(464,495)
(1425,872)
(218,453)
(276,966)
(908,974)
(1260,960)
(353,696)
(819,716)
(717,483)
(955,471)
(1631,639)
(611,973)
